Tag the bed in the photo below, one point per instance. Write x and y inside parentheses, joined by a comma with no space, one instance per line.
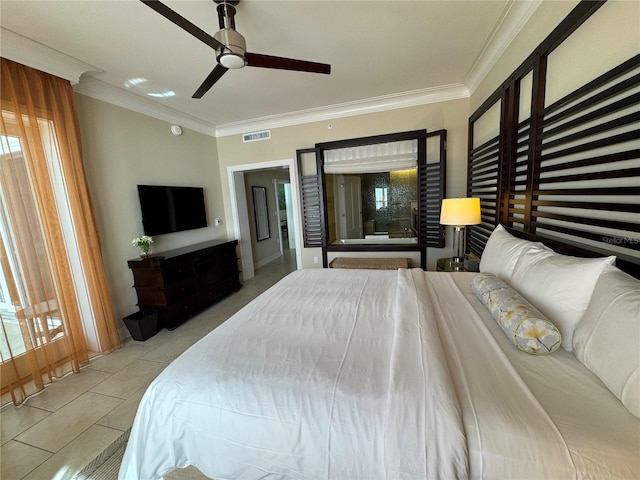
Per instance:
(376,374)
(529,369)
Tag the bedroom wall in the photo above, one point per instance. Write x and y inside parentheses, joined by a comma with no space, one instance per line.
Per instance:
(605,40)
(546,17)
(451,115)
(121,149)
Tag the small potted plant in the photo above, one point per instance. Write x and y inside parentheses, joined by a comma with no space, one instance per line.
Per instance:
(144,244)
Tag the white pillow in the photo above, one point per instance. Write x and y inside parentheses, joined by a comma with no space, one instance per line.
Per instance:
(502,252)
(607,340)
(558,285)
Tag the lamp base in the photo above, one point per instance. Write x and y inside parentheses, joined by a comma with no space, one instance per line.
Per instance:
(459,245)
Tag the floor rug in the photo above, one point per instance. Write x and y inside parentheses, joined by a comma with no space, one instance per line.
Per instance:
(106,465)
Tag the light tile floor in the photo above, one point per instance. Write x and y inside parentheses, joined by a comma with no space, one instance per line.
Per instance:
(54,434)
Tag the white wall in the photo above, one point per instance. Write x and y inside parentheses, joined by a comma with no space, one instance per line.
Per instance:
(610,36)
(604,41)
(122,149)
(546,17)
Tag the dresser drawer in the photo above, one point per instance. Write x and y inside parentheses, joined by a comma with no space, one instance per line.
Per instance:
(226,254)
(175,273)
(147,277)
(205,279)
(211,294)
(180,290)
(228,269)
(179,310)
(151,297)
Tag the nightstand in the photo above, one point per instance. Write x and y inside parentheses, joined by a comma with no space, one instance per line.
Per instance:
(445,265)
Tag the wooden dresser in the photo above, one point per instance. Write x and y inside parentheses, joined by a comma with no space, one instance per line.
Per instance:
(179,283)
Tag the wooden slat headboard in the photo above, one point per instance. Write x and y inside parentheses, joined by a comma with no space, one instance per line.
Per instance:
(565,248)
(569,174)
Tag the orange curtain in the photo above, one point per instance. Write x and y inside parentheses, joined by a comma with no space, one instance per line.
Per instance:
(45,203)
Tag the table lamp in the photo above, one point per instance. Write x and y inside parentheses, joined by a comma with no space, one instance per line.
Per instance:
(460,212)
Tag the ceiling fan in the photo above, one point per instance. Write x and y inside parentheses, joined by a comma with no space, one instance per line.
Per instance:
(230,46)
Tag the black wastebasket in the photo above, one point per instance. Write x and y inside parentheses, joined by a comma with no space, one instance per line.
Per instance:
(142,325)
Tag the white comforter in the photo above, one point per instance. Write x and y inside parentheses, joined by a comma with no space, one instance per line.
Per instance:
(332,374)
(362,375)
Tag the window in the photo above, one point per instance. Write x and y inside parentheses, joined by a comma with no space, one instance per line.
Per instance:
(381,197)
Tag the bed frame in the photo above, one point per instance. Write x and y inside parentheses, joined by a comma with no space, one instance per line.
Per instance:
(569,175)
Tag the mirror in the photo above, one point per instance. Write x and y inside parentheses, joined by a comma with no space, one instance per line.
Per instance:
(373,206)
(372,192)
(261,213)
(414,223)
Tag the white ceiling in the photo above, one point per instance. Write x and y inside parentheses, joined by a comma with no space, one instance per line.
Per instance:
(377,50)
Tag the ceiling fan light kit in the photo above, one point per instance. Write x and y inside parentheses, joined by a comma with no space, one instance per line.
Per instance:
(232,56)
(230,45)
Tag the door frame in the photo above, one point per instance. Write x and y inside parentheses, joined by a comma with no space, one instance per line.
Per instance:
(240,211)
(276,183)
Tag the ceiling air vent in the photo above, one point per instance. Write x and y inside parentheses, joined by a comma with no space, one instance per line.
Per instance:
(255,136)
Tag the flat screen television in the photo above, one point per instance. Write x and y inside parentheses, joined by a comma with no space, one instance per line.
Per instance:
(171,209)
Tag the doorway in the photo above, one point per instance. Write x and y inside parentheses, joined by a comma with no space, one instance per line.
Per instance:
(241,217)
(284,208)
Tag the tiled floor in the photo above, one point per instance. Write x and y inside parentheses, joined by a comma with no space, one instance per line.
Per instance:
(56,433)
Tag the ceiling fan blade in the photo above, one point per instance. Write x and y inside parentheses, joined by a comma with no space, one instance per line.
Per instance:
(183,23)
(281,63)
(213,77)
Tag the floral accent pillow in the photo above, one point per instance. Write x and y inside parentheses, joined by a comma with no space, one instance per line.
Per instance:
(525,326)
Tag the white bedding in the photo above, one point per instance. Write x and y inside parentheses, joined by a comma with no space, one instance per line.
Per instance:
(592,435)
(366,374)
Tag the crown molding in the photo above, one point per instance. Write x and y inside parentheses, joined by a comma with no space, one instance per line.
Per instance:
(360,107)
(94,88)
(513,20)
(36,55)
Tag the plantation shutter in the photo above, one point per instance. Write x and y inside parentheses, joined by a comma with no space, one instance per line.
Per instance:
(311,200)
(431,188)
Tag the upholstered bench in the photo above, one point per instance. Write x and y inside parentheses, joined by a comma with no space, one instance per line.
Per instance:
(370,263)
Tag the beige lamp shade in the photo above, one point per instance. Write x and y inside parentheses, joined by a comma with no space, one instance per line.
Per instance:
(460,211)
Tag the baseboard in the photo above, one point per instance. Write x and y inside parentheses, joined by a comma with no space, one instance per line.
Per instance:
(270,259)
